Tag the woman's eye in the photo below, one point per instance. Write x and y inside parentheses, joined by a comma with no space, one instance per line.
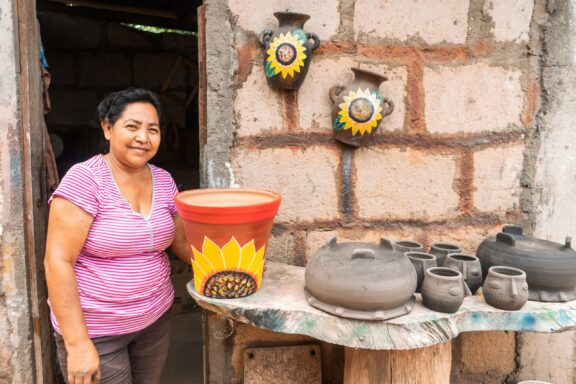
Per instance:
(132,127)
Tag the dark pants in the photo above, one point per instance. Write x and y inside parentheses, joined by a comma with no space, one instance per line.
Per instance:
(134,358)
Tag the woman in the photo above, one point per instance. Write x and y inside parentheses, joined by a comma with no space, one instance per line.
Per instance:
(111,219)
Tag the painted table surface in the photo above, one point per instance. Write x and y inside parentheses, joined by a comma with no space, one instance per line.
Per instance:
(280,305)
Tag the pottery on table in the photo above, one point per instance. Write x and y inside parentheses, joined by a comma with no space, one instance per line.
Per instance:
(358,108)
(421,262)
(228,230)
(469,266)
(288,51)
(443,289)
(505,288)
(443,249)
(360,280)
(550,267)
(408,246)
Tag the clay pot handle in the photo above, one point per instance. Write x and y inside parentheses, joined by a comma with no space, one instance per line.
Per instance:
(335,91)
(390,106)
(314,37)
(265,37)
(568,243)
(467,291)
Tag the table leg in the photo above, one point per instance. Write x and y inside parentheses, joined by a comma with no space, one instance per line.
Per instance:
(430,365)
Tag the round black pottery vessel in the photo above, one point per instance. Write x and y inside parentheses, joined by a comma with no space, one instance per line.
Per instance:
(505,288)
(421,262)
(440,250)
(443,289)
(550,267)
(408,246)
(288,51)
(469,266)
(361,280)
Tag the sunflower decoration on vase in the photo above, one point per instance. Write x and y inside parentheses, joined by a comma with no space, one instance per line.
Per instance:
(358,108)
(288,51)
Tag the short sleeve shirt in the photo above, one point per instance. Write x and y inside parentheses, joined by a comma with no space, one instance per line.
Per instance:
(123,271)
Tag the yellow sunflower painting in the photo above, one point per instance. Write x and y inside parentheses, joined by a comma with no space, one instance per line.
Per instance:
(360,112)
(228,272)
(286,54)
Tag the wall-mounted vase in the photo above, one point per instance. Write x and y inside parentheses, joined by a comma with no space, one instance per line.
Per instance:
(358,108)
(228,231)
(288,51)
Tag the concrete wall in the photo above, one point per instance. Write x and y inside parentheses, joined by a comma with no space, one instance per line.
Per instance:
(458,157)
(16,351)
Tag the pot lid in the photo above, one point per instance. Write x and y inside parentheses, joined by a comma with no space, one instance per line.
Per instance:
(512,239)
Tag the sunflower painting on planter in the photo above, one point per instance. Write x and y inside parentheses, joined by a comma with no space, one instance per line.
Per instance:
(358,108)
(288,51)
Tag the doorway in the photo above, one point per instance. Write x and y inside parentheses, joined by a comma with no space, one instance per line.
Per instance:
(93,48)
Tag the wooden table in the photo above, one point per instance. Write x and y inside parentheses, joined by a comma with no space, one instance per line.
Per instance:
(414,348)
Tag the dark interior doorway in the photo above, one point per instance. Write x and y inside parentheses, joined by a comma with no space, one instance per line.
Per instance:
(95,47)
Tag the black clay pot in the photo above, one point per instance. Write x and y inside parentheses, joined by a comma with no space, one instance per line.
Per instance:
(288,51)
(550,267)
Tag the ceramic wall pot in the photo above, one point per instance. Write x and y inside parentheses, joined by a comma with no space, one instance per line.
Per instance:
(550,267)
(358,108)
(443,289)
(421,262)
(361,280)
(469,266)
(408,246)
(440,250)
(505,288)
(288,51)
(228,231)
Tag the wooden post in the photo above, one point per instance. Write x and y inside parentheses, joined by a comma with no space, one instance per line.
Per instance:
(429,365)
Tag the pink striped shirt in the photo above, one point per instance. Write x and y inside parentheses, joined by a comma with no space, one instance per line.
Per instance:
(123,272)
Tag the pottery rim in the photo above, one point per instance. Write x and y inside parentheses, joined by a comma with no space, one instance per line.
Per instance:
(448,273)
(445,247)
(504,271)
(462,257)
(420,255)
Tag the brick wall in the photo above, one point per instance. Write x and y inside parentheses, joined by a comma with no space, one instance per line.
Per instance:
(448,164)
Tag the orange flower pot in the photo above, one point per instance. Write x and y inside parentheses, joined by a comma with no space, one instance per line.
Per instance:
(228,230)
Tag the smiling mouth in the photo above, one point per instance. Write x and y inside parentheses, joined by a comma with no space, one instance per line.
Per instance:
(139,149)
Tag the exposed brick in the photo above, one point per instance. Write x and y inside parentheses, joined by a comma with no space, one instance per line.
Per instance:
(432,21)
(405,184)
(472,98)
(306,179)
(151,70)
(315,240)
(258,107)
(281,248)
(468,238)
(497,177)
(476,354)
(511,19)
(105,70)
(315,106)
(258,15)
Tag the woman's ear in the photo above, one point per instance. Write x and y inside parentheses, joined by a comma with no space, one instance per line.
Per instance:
(106,128)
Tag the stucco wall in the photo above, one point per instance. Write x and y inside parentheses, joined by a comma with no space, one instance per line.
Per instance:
(16,356)
(455,161)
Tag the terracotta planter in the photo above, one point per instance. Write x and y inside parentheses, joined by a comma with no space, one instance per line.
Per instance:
(469,266)
(358,108)
(228,231)
(288,51)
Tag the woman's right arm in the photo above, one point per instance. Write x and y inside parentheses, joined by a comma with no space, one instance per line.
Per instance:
(68,227)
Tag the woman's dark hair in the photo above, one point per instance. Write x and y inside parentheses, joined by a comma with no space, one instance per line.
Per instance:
(114,104)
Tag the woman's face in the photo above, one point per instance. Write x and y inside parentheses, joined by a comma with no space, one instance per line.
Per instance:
(134,138)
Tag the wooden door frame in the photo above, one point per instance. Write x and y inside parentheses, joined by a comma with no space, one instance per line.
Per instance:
(35,198)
